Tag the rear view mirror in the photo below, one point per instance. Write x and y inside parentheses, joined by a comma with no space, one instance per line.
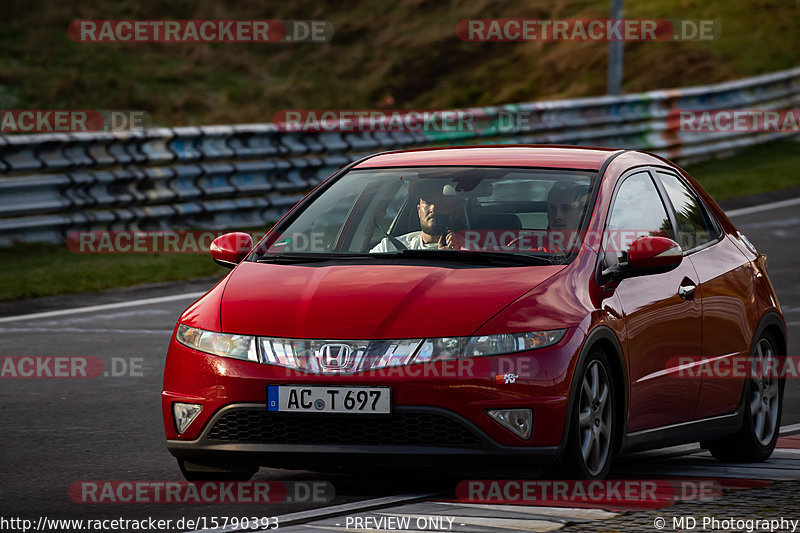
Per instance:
(229,249)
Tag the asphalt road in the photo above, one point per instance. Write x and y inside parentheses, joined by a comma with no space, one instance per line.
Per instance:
(774,233)
(56,432)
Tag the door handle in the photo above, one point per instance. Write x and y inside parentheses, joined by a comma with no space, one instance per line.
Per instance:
(686,289)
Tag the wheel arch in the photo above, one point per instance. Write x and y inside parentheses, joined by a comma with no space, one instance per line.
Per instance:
(772,324)
(604,338)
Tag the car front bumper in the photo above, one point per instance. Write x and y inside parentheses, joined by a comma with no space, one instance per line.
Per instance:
(265,445)
(436,413)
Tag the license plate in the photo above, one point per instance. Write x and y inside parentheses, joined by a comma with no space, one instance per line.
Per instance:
(318,399)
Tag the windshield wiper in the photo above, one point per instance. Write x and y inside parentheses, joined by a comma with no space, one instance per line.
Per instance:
(296,258)
(477,257)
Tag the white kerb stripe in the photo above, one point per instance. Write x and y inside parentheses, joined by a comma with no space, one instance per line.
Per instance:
(104,307)
(790,430)
(762,207)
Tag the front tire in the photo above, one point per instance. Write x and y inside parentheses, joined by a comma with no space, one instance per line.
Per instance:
(590,443)
(758,435)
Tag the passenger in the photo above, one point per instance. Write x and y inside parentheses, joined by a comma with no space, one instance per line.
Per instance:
(565,204)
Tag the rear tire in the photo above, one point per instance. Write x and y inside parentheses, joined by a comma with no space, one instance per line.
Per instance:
(758,435)
(590,444)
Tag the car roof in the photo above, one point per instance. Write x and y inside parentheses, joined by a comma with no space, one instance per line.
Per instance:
(546,156)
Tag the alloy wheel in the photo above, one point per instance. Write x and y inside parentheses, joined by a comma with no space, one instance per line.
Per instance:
(595,416)
(764,393)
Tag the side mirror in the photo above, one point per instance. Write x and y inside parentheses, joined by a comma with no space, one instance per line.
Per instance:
(650,252)
(228,250)
(647,255)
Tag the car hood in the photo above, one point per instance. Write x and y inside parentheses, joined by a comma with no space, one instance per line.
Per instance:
(369,301)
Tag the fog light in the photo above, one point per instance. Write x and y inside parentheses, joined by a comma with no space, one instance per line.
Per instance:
(519,421)
(184,414)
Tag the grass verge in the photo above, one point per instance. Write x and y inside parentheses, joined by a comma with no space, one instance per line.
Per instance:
(397,55)
(34,270)
(769,167)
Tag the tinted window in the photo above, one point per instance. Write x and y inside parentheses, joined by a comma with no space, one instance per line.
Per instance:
(637,211)
(694,223)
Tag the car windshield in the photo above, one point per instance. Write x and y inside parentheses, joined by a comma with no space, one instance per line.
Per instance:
(448,211)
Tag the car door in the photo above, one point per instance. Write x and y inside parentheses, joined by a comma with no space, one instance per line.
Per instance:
(662,316)
(725,287)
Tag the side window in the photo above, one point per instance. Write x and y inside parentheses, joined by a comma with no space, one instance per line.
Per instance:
(694,222)
(637,211)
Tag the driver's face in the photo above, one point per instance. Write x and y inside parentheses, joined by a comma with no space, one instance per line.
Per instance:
(430,206)
(564,211)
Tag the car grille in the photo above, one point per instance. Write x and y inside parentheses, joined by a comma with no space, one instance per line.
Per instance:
(401,429)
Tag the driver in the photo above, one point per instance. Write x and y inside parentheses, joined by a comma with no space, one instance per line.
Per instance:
(432,236)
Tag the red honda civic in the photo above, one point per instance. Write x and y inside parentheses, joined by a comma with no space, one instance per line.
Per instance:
(528,304)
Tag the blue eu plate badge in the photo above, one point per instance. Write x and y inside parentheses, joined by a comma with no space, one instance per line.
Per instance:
(272,398)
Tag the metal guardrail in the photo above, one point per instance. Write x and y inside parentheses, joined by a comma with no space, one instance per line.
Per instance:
(226,177)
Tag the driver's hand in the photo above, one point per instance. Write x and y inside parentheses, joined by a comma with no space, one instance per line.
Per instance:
(446,241)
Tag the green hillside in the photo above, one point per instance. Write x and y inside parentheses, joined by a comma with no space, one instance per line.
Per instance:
(398,54)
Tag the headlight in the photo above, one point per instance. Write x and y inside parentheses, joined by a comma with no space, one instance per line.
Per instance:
(223,344)
(505,343)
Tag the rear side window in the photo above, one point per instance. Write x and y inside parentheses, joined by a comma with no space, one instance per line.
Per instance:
(637,211)
(694,223)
